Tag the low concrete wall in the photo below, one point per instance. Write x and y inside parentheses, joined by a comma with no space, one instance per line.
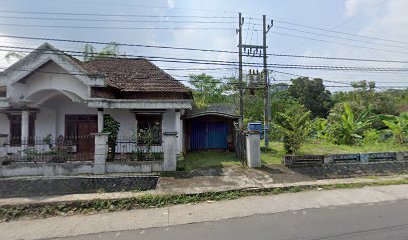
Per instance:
(344,170)
(308,160)
(77,168)
(46,169)
(136,166)
(42,186)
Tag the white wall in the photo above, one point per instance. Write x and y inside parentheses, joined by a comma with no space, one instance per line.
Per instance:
(4,124)
(38,82)
(51,118)
(126,119)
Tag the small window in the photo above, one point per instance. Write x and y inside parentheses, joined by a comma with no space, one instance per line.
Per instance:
(149,128)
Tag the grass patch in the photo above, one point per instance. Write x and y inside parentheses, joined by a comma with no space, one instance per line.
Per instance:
(8,213)
(276,152)
(196,160)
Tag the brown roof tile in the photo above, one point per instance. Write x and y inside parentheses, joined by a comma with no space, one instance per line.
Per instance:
(135,75)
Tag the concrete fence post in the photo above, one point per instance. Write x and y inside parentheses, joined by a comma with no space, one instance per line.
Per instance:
(170,151)
(3,151)
(253,149)
(101,152)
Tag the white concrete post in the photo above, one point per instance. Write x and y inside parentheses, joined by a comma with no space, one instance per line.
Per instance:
(3,150)
(170,151)
(178,130)
(101,152)
(25,119)
(100,120)
(253,149)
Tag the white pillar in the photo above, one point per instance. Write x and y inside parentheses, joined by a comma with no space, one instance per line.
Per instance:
(25,118)
(170,151)
(178,130)
(253,149)
(3,149)
(100,120)
(101,152)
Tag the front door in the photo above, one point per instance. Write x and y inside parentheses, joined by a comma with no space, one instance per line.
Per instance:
(86,142)
(79,128)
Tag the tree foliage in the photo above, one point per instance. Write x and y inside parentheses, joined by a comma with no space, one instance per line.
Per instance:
(294,125)
(398,125)
(110,50)
(312,94)
(111,126)
(207,90)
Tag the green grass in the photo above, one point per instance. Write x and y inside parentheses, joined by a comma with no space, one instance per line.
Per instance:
(276,152)
(8,213)
(196,160)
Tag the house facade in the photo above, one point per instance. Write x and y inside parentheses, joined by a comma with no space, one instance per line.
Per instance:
(50,93)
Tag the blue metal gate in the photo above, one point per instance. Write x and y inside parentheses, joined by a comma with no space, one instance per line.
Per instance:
(208,135)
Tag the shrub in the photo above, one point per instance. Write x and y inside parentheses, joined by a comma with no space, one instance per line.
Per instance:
(295,127)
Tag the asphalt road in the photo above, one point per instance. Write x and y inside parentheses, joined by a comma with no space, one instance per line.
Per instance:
(358,222)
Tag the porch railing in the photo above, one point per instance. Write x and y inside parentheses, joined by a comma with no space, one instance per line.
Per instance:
(129,149)
(49,149)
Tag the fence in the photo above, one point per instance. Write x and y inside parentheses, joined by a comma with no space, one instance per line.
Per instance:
(240,145)
(49,149)
(128,148)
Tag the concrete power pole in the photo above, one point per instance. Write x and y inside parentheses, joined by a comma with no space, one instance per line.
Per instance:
(266,82)
(241,85)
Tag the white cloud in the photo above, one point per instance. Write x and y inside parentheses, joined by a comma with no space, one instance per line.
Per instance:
(355,7)
(171,3)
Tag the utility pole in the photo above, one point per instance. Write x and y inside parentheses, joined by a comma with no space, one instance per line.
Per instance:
(255,51)
(266,83)
(241,85)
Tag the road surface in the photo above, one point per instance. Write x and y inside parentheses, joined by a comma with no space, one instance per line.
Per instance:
(388,220)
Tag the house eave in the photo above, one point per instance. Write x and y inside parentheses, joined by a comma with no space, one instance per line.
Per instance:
(140,103)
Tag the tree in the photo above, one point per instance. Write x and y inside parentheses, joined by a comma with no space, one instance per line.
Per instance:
(312,94)
(110,50)
(207,90)
(397,125)
(348,128)
(10,55)
(294,125)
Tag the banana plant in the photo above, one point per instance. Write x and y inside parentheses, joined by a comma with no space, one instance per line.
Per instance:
(398,125)
(353,126)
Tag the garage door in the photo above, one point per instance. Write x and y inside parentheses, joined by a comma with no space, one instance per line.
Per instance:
(208,135)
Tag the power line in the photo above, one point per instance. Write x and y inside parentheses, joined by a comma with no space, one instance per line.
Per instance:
(338,43)
(235,64)
(115,15)
(340,32)
(115,28)
(206,50)
(339,37)
(115,20)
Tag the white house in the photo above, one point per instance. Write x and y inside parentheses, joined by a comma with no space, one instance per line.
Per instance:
(49,92)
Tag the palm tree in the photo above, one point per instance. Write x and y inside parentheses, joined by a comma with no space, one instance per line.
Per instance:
(10,55)
(110,50)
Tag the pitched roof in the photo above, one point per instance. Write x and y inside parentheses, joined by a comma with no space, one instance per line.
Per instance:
(135,75)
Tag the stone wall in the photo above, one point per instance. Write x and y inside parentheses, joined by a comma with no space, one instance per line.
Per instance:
(344,170)
(42,186)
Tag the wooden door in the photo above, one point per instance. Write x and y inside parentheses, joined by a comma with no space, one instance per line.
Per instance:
(86,142)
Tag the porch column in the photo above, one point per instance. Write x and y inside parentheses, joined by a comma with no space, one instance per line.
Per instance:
(100,120)
(25,119)
(178,130)
(3,149)
(170,151)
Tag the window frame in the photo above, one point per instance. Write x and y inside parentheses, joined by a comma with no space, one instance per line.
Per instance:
(150,119)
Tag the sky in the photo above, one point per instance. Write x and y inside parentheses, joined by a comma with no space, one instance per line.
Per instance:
(212,25)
